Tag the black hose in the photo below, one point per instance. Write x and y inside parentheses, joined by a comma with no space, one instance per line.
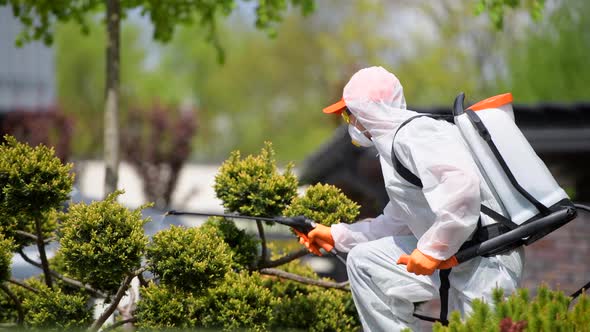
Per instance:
(582,207)
(586,286)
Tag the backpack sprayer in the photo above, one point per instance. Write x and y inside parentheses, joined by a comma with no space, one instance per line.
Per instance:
(532,204)
(300,224)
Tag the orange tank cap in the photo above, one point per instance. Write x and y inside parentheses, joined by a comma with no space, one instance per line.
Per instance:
(492,102)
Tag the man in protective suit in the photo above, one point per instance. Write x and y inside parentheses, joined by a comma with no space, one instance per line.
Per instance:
(427,225)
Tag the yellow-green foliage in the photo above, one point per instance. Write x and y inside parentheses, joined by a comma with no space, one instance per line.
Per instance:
(6,247)
(547,312)
(190,259)
(9,312)
(310,308)
(167,307)
(8,309)
(317,310)
(51,309)
(325,204)
(244,246)
(49,222)
(102,242)
(202,274)
(33,181)
(253,186)
(240,302)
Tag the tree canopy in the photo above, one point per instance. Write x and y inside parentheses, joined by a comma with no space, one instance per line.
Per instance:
(274,89)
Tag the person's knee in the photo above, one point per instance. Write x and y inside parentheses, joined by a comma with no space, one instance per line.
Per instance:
(356,269)
(356,255)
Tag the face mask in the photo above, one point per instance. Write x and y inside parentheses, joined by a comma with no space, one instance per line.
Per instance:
(358,137)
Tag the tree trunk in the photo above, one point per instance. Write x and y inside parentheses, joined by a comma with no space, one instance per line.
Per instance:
(111,123)
(42,254)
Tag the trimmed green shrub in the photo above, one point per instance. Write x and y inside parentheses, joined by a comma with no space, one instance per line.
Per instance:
(240,302)
(253,186)
(34,183)
(51,309)
(202,275)
(8,313)
(167,307)
(548,311)
(190,259)
(6,247)
(281,287)
(244,246)
(8,310)
(32,179)
(102,242)
(324,204)
(311,308)
(316,310)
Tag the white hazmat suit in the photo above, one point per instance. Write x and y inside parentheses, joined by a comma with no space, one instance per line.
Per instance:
(436,219)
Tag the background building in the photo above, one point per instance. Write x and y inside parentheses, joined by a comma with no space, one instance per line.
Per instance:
(27,74)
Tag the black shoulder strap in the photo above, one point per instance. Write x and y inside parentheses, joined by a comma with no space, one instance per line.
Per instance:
(487,137)
(402,170)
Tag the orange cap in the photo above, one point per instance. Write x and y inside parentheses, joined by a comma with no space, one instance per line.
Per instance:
(492,102)
(336,108)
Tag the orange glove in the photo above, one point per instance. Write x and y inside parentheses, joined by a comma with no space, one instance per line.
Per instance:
(320,236)
(421,264)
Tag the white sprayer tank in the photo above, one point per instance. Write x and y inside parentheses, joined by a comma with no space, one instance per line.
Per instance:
(528,169)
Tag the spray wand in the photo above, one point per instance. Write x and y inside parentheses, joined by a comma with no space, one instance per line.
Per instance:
(300,224)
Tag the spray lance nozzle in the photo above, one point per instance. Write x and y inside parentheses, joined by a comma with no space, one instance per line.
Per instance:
(299,223)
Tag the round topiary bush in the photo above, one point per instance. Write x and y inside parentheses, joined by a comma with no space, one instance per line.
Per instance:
(6,247)
(241,302)
(33,183)
(244,246)
(253,186)
(317,310)
(102,242)
(190,259)
(51,309)
(162,307)
(324,204)
(32,179)
(310,308)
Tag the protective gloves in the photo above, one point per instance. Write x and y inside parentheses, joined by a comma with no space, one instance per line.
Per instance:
(320,236)
(421,264)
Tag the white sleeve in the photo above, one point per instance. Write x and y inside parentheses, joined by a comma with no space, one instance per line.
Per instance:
(436,153)
(346,236)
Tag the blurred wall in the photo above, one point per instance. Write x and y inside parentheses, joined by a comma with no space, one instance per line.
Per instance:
(27,74)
